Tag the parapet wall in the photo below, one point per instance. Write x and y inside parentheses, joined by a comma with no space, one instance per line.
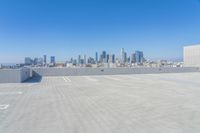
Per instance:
(108,71)
(14,75)
(21,75)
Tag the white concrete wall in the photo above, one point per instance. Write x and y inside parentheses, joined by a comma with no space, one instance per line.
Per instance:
(107,71)
(25,74)
(192,56)
(9,76)
(14,75)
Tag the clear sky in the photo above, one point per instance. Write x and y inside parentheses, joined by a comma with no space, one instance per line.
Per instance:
(66,28)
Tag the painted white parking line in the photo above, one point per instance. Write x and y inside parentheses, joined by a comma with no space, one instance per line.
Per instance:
(32,84)
(3,107)
(90,78)
(11,93)
(66,79)
(135,78)
(112,78)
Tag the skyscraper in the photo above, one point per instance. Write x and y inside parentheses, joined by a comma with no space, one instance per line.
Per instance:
(96,57)
(111,58)
(133,58)
(122,56)
(85,59)
(104,54)
(125,57)
(53,60)
(103,57)
(28,61)
(79,59)
(107,58)
(45,60)
(139,56)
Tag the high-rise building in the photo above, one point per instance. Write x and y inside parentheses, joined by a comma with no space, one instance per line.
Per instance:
(123,58)
(85,59)
(107,58)
(96,57)
(192,56)
(111,58)
(45,60)
(40,61)
(79,60)
(35,61)
(103,57)
(104,54)
(133,58)
(28,61)
(139,56)
(53,60)
(128,59)
(91,60)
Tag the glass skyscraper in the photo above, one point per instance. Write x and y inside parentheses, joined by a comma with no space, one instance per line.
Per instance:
(139,56)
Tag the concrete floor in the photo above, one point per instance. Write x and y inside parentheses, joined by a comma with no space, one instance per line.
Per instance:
(154,103)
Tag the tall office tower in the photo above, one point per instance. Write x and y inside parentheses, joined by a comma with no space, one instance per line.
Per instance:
(104,54)
(40,61)
(74,62)
(139,56)
(96,57)
(71,60)
(111,58)
(101,58)
(45,60)
(53,60)
(125,57)
(35,61)
(133,58)
(85,59)
(28,61)
(122,56)
(79,60)
(107,58)
(91,60)
(129,59)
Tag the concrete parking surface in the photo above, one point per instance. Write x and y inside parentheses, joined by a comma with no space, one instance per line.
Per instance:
(152,103)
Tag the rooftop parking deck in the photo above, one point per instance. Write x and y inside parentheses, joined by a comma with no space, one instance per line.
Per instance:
(151,103)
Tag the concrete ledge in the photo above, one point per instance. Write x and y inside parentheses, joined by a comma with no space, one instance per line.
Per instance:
(21,75)
(107,71)
(14,75)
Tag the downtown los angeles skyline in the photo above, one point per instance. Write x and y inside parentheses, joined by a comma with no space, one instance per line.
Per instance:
(66,29)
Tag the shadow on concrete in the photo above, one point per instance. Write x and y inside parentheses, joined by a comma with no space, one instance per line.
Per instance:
(35,79)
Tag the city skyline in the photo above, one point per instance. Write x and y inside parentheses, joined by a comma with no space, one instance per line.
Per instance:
(99,57)
(68,28)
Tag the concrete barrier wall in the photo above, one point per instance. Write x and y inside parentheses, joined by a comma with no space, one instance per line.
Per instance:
(25,74)
(14,75)
(20,75)
(107,71)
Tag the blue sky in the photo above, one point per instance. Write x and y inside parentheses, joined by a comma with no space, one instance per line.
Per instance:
(70,27)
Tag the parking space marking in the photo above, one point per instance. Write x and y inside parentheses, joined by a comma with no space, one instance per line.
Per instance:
(66,79)
(11,93)
(112,78)
(90,78)
(135,78)
(3,107)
